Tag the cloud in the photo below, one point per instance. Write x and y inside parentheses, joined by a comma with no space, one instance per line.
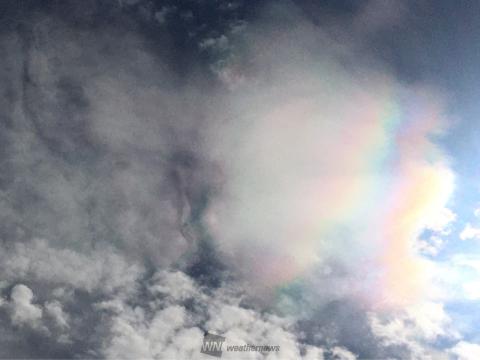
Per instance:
(442,221)
(340,353)
(455,278)
(172,320)
(162,14)
(173,324)
(470,232)
(418,327)
(431,246)
(24,312)
(103,270)
(54,309)
(169,172)
(287,206)
(466,351)
(472,290)
(163,337)
(91,147)
(376,15)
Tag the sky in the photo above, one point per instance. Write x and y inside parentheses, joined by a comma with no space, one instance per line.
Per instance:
(300,174)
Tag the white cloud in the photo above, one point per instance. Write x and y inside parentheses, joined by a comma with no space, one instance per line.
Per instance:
(467,261)
(173,331)
(466,351)
(470,232)
(416,327)
(431,246)
(54,309)
(128,342)
(103,269)
(340,353)
(471,290)
(313,353)
(175,285)
(476,212)
(50,319)
(23,311)
(456,278)
(168,328)
(169,334)
(441,221)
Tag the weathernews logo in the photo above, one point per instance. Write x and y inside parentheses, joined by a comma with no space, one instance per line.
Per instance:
(212,345)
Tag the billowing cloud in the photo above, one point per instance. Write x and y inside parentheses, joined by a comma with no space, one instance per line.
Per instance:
(103,270)
(418,327)
(466,351)
(54,309)
(178,312)
(24,312)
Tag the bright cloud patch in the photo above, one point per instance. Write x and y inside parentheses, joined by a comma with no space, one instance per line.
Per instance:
(470,232)
(312,178)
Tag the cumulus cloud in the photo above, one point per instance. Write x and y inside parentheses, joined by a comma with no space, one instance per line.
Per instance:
(173,323)
(466,351)
(343,354)
(54,309)
(102,270)
(24,311)
(418,328)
